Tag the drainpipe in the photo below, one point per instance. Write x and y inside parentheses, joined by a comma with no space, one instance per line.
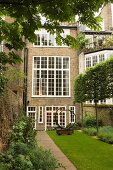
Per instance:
(25,79)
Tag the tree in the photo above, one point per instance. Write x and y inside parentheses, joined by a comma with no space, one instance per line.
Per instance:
(26,18)
(79,91)
(96,84)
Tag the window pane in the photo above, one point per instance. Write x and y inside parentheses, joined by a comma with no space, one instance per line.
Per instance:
(51,40)
(65,63)
(58,62)
(37,42)
(65,83)
(36,62)
(94,60)
(50,82)
(88,62)
(101,57)
(43,62)
(51,62)
(44,40)
(58,83)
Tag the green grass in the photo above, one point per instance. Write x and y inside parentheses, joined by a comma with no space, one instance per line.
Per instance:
(85,152)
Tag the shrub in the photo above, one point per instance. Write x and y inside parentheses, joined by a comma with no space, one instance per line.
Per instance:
(106,134)
(90,131)
(90,121)
(23,153)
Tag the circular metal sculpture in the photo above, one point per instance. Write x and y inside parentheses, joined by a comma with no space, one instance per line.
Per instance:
(60,130)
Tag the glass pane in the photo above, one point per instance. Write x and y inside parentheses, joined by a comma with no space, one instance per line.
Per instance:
(36,62)
(44,40)
(51,40)
(94,60)
(58,83)
(37,42)
(43,62)
(51,62)
(58,62)
(66,63)
(88,62)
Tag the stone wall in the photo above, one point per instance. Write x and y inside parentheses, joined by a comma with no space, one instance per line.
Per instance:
(105,112)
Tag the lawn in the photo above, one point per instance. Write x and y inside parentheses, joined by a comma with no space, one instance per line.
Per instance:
(85,152)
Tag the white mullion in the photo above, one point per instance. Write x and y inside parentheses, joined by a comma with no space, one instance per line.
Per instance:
(69,78)
(33,76)
(47,74)
(54,76)
(40,78)
(35,116)
(62,77)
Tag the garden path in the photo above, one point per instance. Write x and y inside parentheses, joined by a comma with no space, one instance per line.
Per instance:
(45,141)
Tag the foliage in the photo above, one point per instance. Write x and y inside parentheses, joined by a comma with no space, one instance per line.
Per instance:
(3,80)
(9,76)
(108,42)
(90,131)
(85,152)
(90,121)
(23,153)
(79,88)
(96,84)
(27,16)
(106,134)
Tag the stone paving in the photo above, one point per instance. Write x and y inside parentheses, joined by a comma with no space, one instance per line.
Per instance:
(45,141)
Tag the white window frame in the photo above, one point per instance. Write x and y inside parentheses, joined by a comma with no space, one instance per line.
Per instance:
(52,111)
(32,112)
(70,114)
(39,114)
(54,78)
(89,59)
(44,32)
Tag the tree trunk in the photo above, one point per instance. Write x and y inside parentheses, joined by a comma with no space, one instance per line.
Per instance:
(82,115)
(96,111)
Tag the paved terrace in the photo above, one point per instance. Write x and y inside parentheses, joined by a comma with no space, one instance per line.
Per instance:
(45,141)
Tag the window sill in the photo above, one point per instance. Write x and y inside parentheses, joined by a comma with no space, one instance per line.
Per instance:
(50,46)
(34,96)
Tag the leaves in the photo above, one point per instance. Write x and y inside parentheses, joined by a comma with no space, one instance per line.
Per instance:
(96,84)
(24,17)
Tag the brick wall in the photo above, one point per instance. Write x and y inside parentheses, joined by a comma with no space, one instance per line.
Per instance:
(53,101)
(105,112)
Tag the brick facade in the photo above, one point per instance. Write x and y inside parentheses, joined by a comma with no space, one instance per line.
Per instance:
(53,101)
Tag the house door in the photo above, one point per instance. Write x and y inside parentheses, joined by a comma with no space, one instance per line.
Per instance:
(55,114)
